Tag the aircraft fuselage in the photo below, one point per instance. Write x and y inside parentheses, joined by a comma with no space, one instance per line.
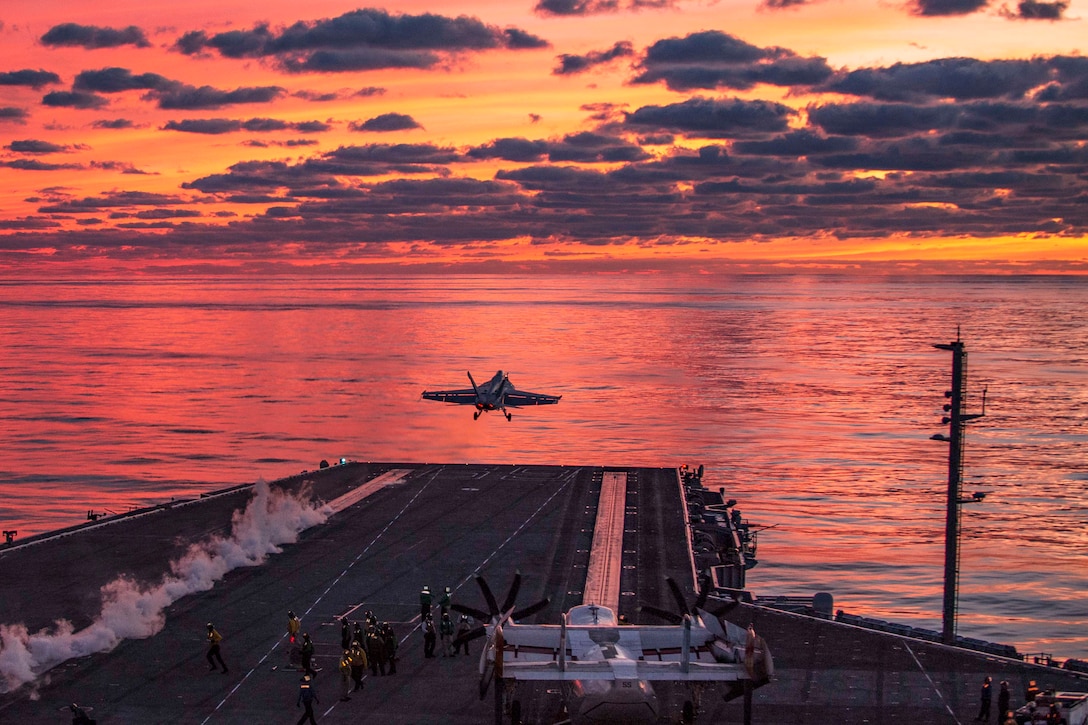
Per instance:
(628,701)
(625,699)
(492,393)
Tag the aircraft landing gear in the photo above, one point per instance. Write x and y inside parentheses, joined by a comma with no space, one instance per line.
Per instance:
(508,416)
(692,706)
(476,415)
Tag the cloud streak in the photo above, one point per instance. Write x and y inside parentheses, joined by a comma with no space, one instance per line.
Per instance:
(364,39)
(672,140)
(93,37)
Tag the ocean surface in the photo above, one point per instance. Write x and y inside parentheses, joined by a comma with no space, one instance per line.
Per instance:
(810,399)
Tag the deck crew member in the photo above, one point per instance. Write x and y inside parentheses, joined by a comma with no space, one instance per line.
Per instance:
(345,634)
(80,716)
(308,656)
(444,602)
(1003,696)
(375,649)
(985,700)
(425,602)
(429,636)
(358,664)
(389,643)
(445,631)
(459,641)
(307,696)
(214,638)
(345,675)
(293,626)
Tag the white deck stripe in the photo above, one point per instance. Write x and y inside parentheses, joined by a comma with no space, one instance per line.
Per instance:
(606,556)
(356,495)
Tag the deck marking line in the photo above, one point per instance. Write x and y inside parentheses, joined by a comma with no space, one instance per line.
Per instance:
(418,620)
(931,682)
(357,494)
(606,553)
(329,588)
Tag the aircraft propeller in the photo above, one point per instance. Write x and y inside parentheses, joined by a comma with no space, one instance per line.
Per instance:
(496,617)
(683,610)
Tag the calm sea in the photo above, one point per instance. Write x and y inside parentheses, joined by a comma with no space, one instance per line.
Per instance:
(811,399)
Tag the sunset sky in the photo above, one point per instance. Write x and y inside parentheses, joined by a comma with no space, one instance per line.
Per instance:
(553,135)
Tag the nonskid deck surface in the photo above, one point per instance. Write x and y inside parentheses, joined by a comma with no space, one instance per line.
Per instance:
(418,524)
(436,525)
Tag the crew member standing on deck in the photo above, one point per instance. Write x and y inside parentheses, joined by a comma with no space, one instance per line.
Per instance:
(345,676)
(389,643)
(463,628)
(428,637)
(214,638)
(345,634)
(80,716)
(445,631)
(444,602)
(358,664)
(985,700)
(375,650)
(1003,697)
(425,603)
(293,626)
(307,696)
(308,656)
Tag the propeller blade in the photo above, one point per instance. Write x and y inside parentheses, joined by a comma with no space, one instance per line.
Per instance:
(470,635)
(485,681)
(704,592)
(471,611)
(487,667)
(483,655)
(512,593)
(531,609)
(678,595)
(670,617)
(723,609)
(489,597)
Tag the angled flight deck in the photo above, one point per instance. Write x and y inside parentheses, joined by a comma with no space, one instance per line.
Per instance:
(396,528)
(432,525)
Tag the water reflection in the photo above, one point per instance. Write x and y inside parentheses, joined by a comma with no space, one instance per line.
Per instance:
(810,398)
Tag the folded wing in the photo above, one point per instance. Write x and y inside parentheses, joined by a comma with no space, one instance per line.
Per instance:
(532,652)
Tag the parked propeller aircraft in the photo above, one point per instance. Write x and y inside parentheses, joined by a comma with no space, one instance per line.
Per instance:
(606,668)
(496,394)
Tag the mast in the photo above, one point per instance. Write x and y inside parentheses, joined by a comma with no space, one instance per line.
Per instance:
(956,420)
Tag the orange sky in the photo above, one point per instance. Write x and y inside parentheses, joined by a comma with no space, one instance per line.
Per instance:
(565,135)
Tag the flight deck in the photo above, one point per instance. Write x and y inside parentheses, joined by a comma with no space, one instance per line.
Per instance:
(392,528)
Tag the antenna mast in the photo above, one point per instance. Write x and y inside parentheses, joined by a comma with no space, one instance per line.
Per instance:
(956,420)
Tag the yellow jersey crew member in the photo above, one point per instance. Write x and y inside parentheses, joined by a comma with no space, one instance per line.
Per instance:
(214,638)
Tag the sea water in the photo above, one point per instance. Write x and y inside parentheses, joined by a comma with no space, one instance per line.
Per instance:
(810,399)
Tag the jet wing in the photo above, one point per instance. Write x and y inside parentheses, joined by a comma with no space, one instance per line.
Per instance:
(461,397)
(518,398)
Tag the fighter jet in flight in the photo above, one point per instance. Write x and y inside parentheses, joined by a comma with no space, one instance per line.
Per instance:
(496,394)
